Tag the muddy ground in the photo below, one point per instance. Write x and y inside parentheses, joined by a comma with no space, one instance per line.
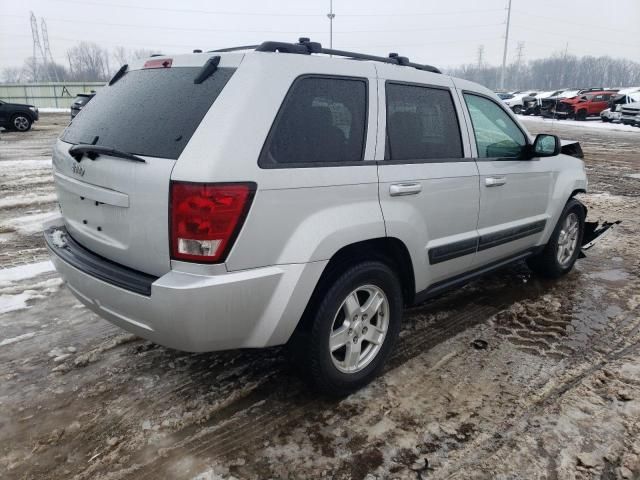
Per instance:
(510,377)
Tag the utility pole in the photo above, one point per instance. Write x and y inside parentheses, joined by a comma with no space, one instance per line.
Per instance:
(519,56)
(480,56)
(48,56)
(36,45)
(331,16)
(506,42)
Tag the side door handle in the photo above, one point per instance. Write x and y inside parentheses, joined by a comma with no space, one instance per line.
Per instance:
(399,189)
(495,181)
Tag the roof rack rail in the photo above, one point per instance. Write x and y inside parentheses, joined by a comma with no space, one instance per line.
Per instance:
(234,49)
(306,47)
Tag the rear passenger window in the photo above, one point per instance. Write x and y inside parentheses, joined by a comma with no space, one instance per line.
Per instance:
(421,124)
(321,120)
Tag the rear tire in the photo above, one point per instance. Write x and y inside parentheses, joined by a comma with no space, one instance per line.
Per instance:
(517,109)
(349,339)
(21,123)
(562,250)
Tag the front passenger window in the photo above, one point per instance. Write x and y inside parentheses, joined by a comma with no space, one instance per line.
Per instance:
(497,135)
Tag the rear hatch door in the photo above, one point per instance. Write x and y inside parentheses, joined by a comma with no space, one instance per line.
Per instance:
(118,207)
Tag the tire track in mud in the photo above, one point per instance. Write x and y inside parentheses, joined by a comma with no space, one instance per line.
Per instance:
(621,339)
(273,404)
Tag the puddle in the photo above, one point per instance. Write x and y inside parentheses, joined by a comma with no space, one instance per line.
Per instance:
(613,275)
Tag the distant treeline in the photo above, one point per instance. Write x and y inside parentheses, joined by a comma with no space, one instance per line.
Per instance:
(557,71)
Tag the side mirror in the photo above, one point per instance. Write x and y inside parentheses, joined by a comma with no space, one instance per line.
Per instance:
(546,145)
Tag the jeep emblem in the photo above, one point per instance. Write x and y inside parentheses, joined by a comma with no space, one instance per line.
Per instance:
(77,169)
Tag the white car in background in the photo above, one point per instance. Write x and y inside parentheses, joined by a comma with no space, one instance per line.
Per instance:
(516,104)
(624,97)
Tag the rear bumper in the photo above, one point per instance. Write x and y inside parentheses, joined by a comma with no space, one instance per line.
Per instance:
(250,308)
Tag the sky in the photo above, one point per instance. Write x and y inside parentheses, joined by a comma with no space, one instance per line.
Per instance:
(440,33)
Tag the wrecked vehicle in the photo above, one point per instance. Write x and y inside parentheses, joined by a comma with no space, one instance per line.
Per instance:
(533,104)
(582,106)
(614,112)
(630,114)
(228,226)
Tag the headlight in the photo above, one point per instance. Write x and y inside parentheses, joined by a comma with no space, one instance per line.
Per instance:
(33,109)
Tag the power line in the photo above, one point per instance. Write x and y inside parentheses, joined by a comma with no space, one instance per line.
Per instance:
(268,14)
(569,22)
(292,32)
(587,39)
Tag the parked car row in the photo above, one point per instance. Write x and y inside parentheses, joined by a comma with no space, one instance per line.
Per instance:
(611,105)
(20,117)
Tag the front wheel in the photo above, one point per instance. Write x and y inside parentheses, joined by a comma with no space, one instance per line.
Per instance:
(354,328)
(517,109)
(581,115)
(21,123)
(563,248)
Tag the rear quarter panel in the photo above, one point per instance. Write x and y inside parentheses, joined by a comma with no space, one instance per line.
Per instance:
(298,215)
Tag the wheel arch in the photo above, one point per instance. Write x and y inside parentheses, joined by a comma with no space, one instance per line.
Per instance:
(23,114)
(389,250)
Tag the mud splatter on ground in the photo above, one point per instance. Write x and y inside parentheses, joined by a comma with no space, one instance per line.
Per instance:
(509,377)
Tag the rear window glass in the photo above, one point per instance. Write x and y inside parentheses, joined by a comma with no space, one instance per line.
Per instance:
(321,120)
(151,112)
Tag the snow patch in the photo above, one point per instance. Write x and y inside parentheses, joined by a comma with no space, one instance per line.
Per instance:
(59,239)
(26,200)
(54,110)
(595,124)
(11,303)
(19,338)
(26,164)
(23,272)
(29,224)
(633,175)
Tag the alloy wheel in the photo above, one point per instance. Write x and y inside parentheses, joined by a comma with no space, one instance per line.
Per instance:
(359,329)
(21,123)
(568,239)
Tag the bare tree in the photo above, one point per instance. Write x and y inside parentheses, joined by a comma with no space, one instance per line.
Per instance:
(123,55)
(560,70)
(11,75)
(88,62)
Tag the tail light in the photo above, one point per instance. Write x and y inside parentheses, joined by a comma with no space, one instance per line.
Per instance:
(205,219)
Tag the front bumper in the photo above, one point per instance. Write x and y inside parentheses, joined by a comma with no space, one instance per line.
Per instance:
(191,312)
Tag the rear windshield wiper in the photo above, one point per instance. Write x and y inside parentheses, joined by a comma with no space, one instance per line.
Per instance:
(93,151)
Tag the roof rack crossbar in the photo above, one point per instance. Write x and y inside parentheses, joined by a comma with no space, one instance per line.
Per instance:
(307,47)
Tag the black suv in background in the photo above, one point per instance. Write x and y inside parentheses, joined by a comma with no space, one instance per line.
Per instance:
(15,116)
(79,103)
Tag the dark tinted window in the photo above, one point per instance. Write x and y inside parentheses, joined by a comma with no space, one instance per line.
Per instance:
(421,124)
(150,112)
(321,120)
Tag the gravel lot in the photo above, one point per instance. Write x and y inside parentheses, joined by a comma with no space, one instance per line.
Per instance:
(510,377)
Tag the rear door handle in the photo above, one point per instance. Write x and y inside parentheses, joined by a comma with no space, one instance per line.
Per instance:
(399,189)
(495,181)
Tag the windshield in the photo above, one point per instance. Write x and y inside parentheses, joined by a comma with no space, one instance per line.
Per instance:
(152,112)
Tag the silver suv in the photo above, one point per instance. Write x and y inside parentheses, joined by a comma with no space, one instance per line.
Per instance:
(273,195)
